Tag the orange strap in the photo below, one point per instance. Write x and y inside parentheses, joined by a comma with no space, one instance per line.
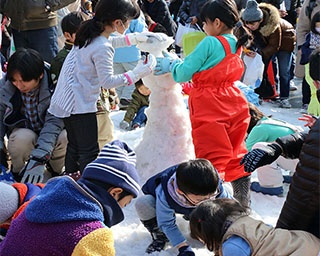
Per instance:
(226,45)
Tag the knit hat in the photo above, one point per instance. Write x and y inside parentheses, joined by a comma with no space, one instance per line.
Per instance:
(252,12)
(9,201)
(115,165)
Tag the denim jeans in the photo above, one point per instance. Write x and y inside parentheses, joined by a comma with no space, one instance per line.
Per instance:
(140,117)
(44,41)
(284,64)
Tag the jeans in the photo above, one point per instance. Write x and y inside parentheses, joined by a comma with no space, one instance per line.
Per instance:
(284,63)
(44,41)
(82,148)
(140,117)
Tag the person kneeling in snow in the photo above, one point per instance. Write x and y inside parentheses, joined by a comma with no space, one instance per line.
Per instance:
(74,218)
(177,189)
(136,109)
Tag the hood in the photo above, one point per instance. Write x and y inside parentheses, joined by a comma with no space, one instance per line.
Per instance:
(62,199)
(271,19)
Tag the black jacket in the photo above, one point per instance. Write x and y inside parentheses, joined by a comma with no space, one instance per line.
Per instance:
(159,12)
(302,205)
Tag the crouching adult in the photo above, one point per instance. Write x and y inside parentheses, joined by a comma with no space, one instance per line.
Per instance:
(36,139)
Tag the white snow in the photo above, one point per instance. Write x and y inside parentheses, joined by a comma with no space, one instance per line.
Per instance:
(167,134)
(131,238)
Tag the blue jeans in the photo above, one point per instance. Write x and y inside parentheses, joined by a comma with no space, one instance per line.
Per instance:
(140,117)
(284,64)
(44,41)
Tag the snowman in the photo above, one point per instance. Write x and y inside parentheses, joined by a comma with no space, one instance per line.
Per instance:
(167,136)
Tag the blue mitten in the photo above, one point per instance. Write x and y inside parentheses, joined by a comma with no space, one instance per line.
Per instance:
(165,64)
(186,251)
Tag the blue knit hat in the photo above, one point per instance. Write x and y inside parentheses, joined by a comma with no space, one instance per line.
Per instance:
(252,12)
(115,165)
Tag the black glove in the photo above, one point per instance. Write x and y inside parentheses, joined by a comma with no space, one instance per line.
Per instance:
(186,251)
(260,157)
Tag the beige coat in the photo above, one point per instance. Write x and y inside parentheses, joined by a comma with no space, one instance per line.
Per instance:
(266,240)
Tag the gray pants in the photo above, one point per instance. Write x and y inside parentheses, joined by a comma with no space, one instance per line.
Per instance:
(146,207)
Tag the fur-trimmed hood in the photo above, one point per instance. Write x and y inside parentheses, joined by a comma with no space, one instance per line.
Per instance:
(271,19)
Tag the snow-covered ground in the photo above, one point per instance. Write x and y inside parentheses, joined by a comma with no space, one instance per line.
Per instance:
(131,238)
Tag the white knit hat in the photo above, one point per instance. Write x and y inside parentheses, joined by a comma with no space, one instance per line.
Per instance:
(9,201)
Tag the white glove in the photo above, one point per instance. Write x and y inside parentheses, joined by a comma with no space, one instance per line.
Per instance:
(124,125)
(144,37)
(142,69)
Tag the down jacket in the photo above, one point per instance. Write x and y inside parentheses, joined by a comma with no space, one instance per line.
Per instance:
(274,33)
(302,205)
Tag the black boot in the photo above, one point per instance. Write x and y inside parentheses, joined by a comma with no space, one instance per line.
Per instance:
(159,239)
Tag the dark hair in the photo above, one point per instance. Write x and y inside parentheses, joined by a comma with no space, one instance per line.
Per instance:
(139,83)
(244,36)
(27,62)
(71,22)
(255,116)
(224,10)
(197,177)
(314,64)
(314,20)
(208,221)
(106,11)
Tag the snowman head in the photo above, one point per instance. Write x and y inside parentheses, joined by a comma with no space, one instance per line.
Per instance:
(157,46)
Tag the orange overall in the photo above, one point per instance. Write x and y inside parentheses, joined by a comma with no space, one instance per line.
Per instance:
(219,115)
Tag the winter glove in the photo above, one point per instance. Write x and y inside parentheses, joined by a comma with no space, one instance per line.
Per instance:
(186,251)
(33,171)
(144,37)
(143,68)
(124,125)
(261,156)
(165,65)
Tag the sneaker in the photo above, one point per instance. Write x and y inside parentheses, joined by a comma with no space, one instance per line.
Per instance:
(278,191)
(292,86)
(304,109)
(74,175)
(135,126)
(284,103)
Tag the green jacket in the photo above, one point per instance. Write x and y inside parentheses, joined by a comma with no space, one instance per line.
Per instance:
(138,101)
(56,63)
